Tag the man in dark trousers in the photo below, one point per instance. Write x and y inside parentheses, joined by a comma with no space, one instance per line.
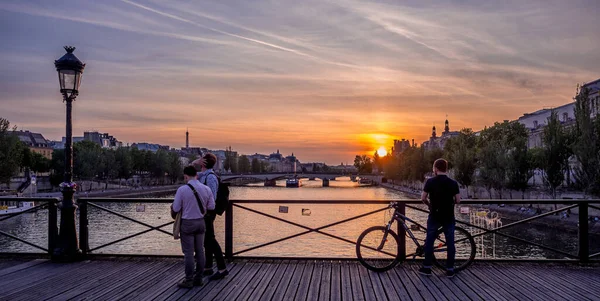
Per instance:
(440,193)
(193,200)
(211,245)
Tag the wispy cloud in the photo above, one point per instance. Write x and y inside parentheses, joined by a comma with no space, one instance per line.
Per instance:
(316,75)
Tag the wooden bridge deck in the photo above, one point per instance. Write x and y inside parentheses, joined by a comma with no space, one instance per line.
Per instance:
(154,279)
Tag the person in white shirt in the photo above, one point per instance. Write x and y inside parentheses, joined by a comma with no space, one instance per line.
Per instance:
(193,200)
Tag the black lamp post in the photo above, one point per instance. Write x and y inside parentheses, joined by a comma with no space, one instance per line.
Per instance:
(70,69)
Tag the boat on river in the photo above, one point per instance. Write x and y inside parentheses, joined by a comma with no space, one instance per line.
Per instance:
(11,207)
(293,182)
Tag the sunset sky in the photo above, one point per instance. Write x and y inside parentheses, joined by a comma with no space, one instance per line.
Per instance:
(324,79)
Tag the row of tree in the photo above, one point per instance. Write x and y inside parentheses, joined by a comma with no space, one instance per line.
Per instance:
(498,158)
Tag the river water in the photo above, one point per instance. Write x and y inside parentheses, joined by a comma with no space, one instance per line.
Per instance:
(251,229)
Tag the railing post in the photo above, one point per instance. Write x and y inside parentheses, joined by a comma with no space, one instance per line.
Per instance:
(584,242)
(229,231)
(52,226)
(401,232)
(84,244)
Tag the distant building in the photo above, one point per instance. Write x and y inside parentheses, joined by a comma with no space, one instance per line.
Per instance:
(150,146)
(435,141)
(278,163)
(103,139)
(400,146)
(36,143)
(536,121)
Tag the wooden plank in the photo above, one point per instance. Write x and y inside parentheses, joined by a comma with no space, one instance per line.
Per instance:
(550,282)
(423,283)
(210,288)
(61,283)
(478,286)
(285,281)
(136,272)
(292,288)
(394,287)
(504,283)
(326,283)
(26,279)
(415,286)
(265,272)
(336,281)
(315,281)
(273,270)
(305,281)
(347,294)
(21,266)
(169,279)
(146,283)
(133,270)
(435,284)
(459,288)
(372,285)
(131,283)
(231,291)
(99,281)
(283,268)
(531,287)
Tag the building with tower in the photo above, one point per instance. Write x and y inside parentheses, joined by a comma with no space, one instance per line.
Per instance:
(436,141)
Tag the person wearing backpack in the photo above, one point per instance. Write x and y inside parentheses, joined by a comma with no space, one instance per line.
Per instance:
(211,245)
(192,201)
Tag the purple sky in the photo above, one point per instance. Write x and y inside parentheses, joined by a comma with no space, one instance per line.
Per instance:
(323,79)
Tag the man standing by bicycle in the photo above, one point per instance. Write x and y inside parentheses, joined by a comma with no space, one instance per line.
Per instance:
(440,193)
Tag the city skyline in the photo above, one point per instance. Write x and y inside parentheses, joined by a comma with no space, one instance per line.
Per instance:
(325,79)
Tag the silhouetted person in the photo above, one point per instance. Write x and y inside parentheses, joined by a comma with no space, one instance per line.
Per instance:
(440,193)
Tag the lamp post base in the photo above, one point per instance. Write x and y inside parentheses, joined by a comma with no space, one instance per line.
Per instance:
(68,247)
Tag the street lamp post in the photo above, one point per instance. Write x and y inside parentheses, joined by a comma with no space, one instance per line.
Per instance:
(70,69)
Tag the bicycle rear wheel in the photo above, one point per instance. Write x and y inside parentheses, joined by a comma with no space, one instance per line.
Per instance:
(465,249)
(377,251)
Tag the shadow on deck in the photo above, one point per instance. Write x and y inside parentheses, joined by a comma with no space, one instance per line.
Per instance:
(154,279)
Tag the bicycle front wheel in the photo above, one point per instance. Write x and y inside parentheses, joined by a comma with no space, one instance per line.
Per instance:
(377,249)
(464,245)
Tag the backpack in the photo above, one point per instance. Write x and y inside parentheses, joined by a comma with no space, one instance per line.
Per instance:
(222,201)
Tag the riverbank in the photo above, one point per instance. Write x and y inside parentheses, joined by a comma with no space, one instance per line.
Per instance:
(130,192)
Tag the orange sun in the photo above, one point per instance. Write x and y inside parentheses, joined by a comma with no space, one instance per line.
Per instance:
(382,152)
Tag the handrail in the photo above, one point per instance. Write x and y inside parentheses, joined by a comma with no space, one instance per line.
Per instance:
(583,230)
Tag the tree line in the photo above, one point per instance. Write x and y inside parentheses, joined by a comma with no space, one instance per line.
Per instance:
(90,161)
(498,157)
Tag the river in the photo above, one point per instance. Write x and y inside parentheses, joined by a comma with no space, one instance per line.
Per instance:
(251,229)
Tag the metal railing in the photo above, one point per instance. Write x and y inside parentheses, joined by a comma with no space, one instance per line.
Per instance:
(583,254)
(47,203)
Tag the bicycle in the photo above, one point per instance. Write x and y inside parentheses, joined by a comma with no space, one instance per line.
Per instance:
(376,252)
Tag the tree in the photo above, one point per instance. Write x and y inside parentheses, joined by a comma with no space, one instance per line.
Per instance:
(137,160)
(175,169)
(124,163)
(362,163)
(492,157)
(86,160)
(57,167)
(555,153)
(108,168)
(586,145)
(11,151)
(243,164)
(518,169)
(160,165)
(461,152)
(39,163)
(255,165)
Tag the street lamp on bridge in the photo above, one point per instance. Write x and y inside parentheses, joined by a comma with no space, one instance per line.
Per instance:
(70,69)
